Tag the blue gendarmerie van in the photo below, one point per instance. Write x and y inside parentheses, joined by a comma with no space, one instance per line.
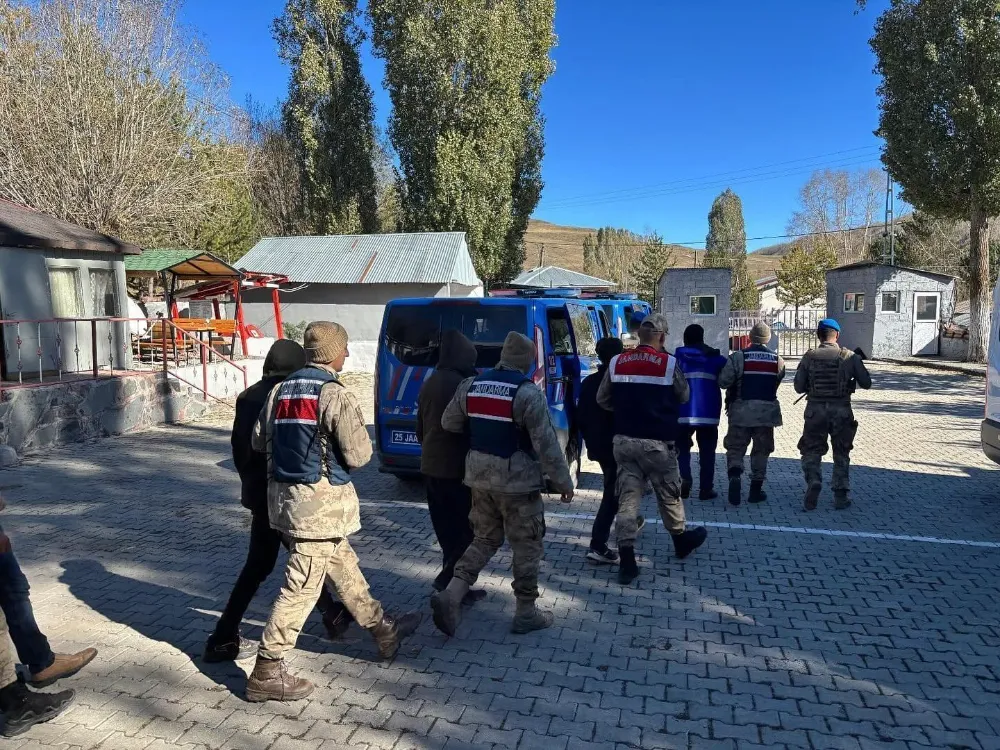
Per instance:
(565,330)
(619,309)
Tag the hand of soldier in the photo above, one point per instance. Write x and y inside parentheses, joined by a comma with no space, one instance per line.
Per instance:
(566,497)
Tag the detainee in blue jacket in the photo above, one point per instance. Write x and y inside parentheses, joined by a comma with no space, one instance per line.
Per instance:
(699,417)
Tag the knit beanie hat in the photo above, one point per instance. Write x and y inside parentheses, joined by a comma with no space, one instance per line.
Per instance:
(324,341)
(760,333)
(518,352)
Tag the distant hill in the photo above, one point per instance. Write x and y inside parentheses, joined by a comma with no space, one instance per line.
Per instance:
(563,246)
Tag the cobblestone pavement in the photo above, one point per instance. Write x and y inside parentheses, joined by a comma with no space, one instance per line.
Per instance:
(770,636)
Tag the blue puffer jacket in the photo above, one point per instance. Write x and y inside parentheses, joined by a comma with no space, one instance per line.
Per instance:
(701,366)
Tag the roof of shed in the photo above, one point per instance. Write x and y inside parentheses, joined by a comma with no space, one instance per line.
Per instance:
(21,226)
(415,258)
(552,277)
(871,264)
(157,259)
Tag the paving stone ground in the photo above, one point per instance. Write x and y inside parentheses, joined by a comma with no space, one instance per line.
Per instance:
(767,637)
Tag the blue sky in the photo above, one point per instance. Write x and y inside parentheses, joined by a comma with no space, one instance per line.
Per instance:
(657,105)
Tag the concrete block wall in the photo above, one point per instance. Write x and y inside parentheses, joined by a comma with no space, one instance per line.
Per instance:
(894,331)
(678,285)
(856,329)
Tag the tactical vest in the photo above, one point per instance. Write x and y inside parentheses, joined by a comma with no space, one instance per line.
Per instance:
(642,392)
(760,375)
(490,407)
(829,378)
(297,444)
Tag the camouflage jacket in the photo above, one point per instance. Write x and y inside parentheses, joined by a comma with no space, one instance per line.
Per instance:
(521,473)
(749,413)
(319,511)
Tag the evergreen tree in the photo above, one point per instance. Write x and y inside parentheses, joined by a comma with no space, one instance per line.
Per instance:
(654,260)
(726,247)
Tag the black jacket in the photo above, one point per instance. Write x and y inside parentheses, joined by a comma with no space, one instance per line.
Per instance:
(597,425)
(442,453)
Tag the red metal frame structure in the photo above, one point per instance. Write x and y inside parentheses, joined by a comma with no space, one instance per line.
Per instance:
(216,279)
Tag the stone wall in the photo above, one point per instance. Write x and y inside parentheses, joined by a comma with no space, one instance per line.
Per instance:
(677,286)
(32,419)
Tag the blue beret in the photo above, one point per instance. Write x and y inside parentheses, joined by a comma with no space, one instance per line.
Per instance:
(830,323)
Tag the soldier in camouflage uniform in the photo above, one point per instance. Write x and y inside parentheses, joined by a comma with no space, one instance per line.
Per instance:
(828,376)
(513,444)
(644,388)
(314,433)
(751,378)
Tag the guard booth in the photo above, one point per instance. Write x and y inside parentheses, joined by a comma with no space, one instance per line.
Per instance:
(696,295)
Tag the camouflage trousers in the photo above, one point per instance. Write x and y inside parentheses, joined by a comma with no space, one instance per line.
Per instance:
(737,441)
(641,461)
(519,518)
(310,563)
(836,420)
(8,675)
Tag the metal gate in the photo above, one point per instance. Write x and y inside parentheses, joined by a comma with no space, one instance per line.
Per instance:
(792,334)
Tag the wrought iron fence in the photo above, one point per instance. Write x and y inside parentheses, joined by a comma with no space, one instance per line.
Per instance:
(793,333)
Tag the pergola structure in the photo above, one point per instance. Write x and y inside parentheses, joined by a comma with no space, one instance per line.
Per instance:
(214,279)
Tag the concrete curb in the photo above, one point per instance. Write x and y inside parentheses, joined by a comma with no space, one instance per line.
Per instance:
(963,368)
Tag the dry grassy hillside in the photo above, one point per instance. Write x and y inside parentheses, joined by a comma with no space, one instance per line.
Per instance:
(563,247)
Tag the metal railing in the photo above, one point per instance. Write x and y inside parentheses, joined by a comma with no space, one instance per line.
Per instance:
(793,333)
(44,352)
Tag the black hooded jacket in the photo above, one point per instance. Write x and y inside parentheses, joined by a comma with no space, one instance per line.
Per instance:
(442,453)
(284,358)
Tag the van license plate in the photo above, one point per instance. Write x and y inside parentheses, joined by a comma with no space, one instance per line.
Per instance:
(404,437)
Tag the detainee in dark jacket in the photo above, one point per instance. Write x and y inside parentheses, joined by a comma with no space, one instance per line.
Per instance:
(226,643)
(442,453)
(597,426)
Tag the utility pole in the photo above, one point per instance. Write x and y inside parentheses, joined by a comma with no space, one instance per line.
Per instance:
(541,256)
(890,220)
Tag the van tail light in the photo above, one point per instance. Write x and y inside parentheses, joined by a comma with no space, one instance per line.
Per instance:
(539,376)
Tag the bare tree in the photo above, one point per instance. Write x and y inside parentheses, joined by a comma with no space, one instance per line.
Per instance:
(113,117)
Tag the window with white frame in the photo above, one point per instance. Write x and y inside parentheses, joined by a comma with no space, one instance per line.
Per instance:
(703,304)
(890,302)
(854,302)
(64,286)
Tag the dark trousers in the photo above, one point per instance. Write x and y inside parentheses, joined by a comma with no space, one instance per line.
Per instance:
(265,543)
(449,502)
(32,647)
(609,506)
(708,440)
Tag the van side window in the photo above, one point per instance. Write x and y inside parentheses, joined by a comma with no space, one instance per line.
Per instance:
(562,343)
(583,330)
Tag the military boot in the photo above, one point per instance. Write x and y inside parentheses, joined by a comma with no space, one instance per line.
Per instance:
(528,618)
(446,606)
(391,630)
(688,541)
(24,708)
(735,489)
(628,570)
(811,500)
(841,500)
(757,494)
(271,681)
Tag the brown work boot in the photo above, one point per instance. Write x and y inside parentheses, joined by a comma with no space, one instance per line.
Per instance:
(65,665)
(391,630)
(811,499)
(271,681)
(841,500)
(528,618)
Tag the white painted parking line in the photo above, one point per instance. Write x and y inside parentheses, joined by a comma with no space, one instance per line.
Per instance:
(761,527)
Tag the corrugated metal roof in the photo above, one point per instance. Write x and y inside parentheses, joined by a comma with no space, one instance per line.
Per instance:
(416,258)
(157,259)
(549,277)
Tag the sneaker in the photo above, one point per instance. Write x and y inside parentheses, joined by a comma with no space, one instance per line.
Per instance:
(607,556)
(24,708)
(337,621)
(237,650)
(64,665)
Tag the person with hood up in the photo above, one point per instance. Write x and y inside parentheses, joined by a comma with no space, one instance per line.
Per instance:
(226,643)
(699,417)
(512,447)
(314,433)
(442,453)
(598,428)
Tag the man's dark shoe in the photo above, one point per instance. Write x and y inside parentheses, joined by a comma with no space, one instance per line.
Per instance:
(688,541)
(735,490)
(442,580)
(685,488)
(841,500)
(271,681)
(709,494)
(64,665)
(628,570)
(337,621)
(391,631)
(811,500)
(238,650)
(24,708)
(757,494)
(606,556)
(474,595)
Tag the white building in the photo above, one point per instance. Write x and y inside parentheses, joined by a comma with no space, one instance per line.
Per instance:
(770,303)
(350,278)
